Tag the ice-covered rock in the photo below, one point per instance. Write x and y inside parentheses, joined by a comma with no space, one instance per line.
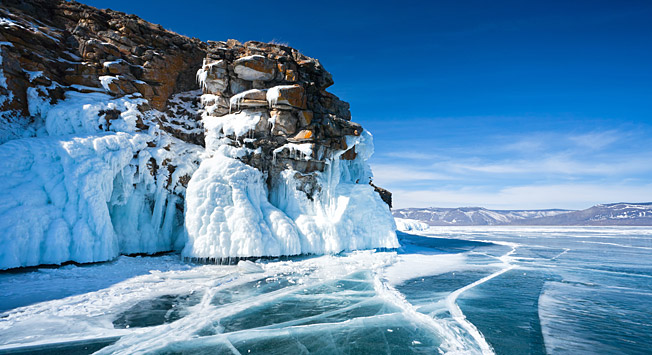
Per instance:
(254,67)
(410,225)
(121,137)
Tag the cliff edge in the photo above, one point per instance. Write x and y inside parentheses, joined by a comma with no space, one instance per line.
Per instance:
(118,136)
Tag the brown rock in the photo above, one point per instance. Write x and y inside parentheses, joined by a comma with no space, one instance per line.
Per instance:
(349,154)
(249,98)
(385,195)
(254,67)
(284,122)
(303,135)
(290,95)
(305,117)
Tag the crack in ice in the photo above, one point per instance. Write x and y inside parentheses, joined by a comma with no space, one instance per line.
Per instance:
(456,311)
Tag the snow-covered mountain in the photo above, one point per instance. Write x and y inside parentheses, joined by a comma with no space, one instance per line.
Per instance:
(470,216)
(118,136)
(634,214)
(607,214)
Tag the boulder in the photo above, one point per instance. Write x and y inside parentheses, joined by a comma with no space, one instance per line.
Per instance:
(287,95)
(213,77)
(249,98)
(303,135)
(284,122)
(254,67)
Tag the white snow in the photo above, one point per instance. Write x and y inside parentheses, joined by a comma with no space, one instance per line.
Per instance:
(32,74)
(106,80)
(238,124)
(412,266)
(79,113)
(274,93)
(304,150)
(82,193)
(347,213)
(406,225)
(54,198)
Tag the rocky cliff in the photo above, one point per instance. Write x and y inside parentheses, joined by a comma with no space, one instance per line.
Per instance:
(119,136)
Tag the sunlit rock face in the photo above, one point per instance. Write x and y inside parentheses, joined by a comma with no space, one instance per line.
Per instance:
(118,136)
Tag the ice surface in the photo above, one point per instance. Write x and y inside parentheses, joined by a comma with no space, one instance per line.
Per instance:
(330,304)
(444,293)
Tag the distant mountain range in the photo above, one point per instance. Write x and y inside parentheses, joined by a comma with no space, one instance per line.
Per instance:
(631,214)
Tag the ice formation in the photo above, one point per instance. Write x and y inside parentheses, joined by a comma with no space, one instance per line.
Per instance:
(231,213)
(78,193)
(115,151)
(406,225)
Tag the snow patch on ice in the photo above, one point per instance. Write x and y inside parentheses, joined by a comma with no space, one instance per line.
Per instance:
(412,266)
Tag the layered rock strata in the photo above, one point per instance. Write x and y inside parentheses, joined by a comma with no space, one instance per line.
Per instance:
(122,137)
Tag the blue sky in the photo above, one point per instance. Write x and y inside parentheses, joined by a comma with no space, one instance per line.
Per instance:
(502,104)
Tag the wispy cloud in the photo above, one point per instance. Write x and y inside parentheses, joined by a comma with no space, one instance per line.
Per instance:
(542,170)
(597,140)
(561,164)
(385,174)
(411,154)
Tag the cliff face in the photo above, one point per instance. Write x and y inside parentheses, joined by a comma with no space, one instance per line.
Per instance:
(122,137)
(59,46)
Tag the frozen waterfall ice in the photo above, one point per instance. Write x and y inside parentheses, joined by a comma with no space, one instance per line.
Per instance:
(231,213)
(76,192)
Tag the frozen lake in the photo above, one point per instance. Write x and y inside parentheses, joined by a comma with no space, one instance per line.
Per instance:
(508,290)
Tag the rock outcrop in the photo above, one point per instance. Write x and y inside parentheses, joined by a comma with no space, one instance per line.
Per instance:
(59,46)
(300,124)
(72,73)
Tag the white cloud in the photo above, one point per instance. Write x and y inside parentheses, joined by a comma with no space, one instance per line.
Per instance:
(561,164)
(536,170)
(395,173)
(414,155)
(596,140)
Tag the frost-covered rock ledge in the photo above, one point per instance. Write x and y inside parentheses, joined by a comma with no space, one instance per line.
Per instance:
(119,137)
